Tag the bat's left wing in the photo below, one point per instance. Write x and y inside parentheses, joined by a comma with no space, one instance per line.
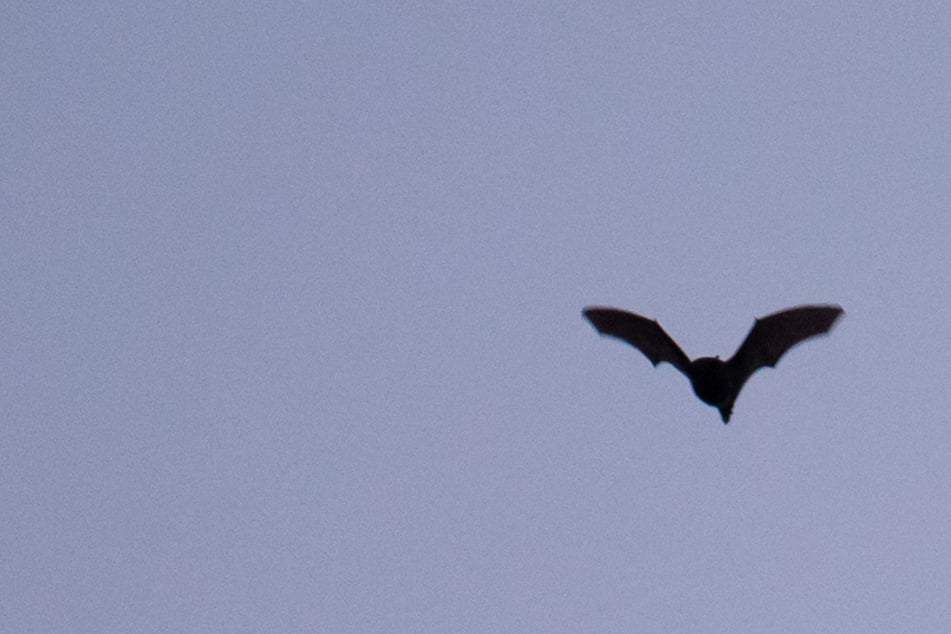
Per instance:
(644,334)
(773,335)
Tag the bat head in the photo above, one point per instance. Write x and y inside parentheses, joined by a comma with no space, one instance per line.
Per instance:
(710,379)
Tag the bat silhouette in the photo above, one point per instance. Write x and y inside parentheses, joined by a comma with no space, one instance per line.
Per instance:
(715,382)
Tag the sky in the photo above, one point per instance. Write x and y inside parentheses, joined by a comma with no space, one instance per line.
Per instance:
(291,337)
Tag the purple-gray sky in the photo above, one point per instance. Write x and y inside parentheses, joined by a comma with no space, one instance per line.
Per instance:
(290,337)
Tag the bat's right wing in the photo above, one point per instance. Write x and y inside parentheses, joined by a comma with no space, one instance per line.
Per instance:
(774,334)
(644,334)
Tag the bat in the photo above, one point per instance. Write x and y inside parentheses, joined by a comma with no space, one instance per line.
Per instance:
(717,383)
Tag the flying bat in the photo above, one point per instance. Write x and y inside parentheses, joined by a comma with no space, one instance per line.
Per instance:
(715,382)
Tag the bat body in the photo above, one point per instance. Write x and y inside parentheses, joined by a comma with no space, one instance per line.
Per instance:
(714,381)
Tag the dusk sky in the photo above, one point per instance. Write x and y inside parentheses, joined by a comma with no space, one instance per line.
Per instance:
(291,334)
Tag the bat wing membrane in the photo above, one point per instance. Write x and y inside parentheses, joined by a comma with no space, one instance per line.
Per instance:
(644,334)
(773,335)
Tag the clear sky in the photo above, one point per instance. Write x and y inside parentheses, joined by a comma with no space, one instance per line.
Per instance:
(291,323)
